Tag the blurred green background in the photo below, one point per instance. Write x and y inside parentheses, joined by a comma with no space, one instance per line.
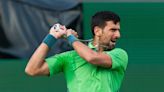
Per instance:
(141,36)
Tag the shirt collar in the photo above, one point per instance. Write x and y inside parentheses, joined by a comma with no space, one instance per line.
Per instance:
(90,45)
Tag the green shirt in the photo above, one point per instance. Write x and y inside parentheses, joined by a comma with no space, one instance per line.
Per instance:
(82,76)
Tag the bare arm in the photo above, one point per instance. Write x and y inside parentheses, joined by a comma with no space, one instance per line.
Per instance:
(37,65)
(95,58)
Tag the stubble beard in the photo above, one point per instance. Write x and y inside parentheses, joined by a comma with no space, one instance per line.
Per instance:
(107,47)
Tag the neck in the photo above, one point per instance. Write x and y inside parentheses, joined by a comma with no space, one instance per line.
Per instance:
(97,44)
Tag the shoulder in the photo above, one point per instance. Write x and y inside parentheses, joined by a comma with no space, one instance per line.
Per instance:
(67,53)
(118,51)
(61,56)
(119,56)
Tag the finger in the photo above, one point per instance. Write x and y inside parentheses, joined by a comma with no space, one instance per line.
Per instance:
(69,32)
(62,32)
(74,33)
(63,27)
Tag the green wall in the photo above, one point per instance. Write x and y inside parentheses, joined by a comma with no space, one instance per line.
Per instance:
(13,79)
(142,36)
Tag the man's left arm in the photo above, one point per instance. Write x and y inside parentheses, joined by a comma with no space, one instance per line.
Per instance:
(95,58)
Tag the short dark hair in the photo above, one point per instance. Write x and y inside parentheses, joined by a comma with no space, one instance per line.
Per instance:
(100,19)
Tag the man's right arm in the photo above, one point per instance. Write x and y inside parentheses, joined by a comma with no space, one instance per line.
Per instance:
(37,65)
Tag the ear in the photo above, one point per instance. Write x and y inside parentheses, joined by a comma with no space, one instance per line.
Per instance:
(97,31)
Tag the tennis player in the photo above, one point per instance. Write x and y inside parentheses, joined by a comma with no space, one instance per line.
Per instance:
(98,67)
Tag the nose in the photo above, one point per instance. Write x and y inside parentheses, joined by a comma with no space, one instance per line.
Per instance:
(117,34)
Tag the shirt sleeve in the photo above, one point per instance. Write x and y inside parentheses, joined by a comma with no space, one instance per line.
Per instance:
(119,58)
(56,63)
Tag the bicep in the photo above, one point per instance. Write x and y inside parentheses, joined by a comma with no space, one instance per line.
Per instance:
(102,60)
(45,69)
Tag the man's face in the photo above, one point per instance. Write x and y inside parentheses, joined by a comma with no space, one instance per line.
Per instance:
(110,34)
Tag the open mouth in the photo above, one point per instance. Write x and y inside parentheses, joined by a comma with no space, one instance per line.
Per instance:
(113,41)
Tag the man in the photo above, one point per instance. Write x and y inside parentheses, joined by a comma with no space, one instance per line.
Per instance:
(98,67)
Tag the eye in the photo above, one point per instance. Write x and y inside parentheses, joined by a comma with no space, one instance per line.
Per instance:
(114,30)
